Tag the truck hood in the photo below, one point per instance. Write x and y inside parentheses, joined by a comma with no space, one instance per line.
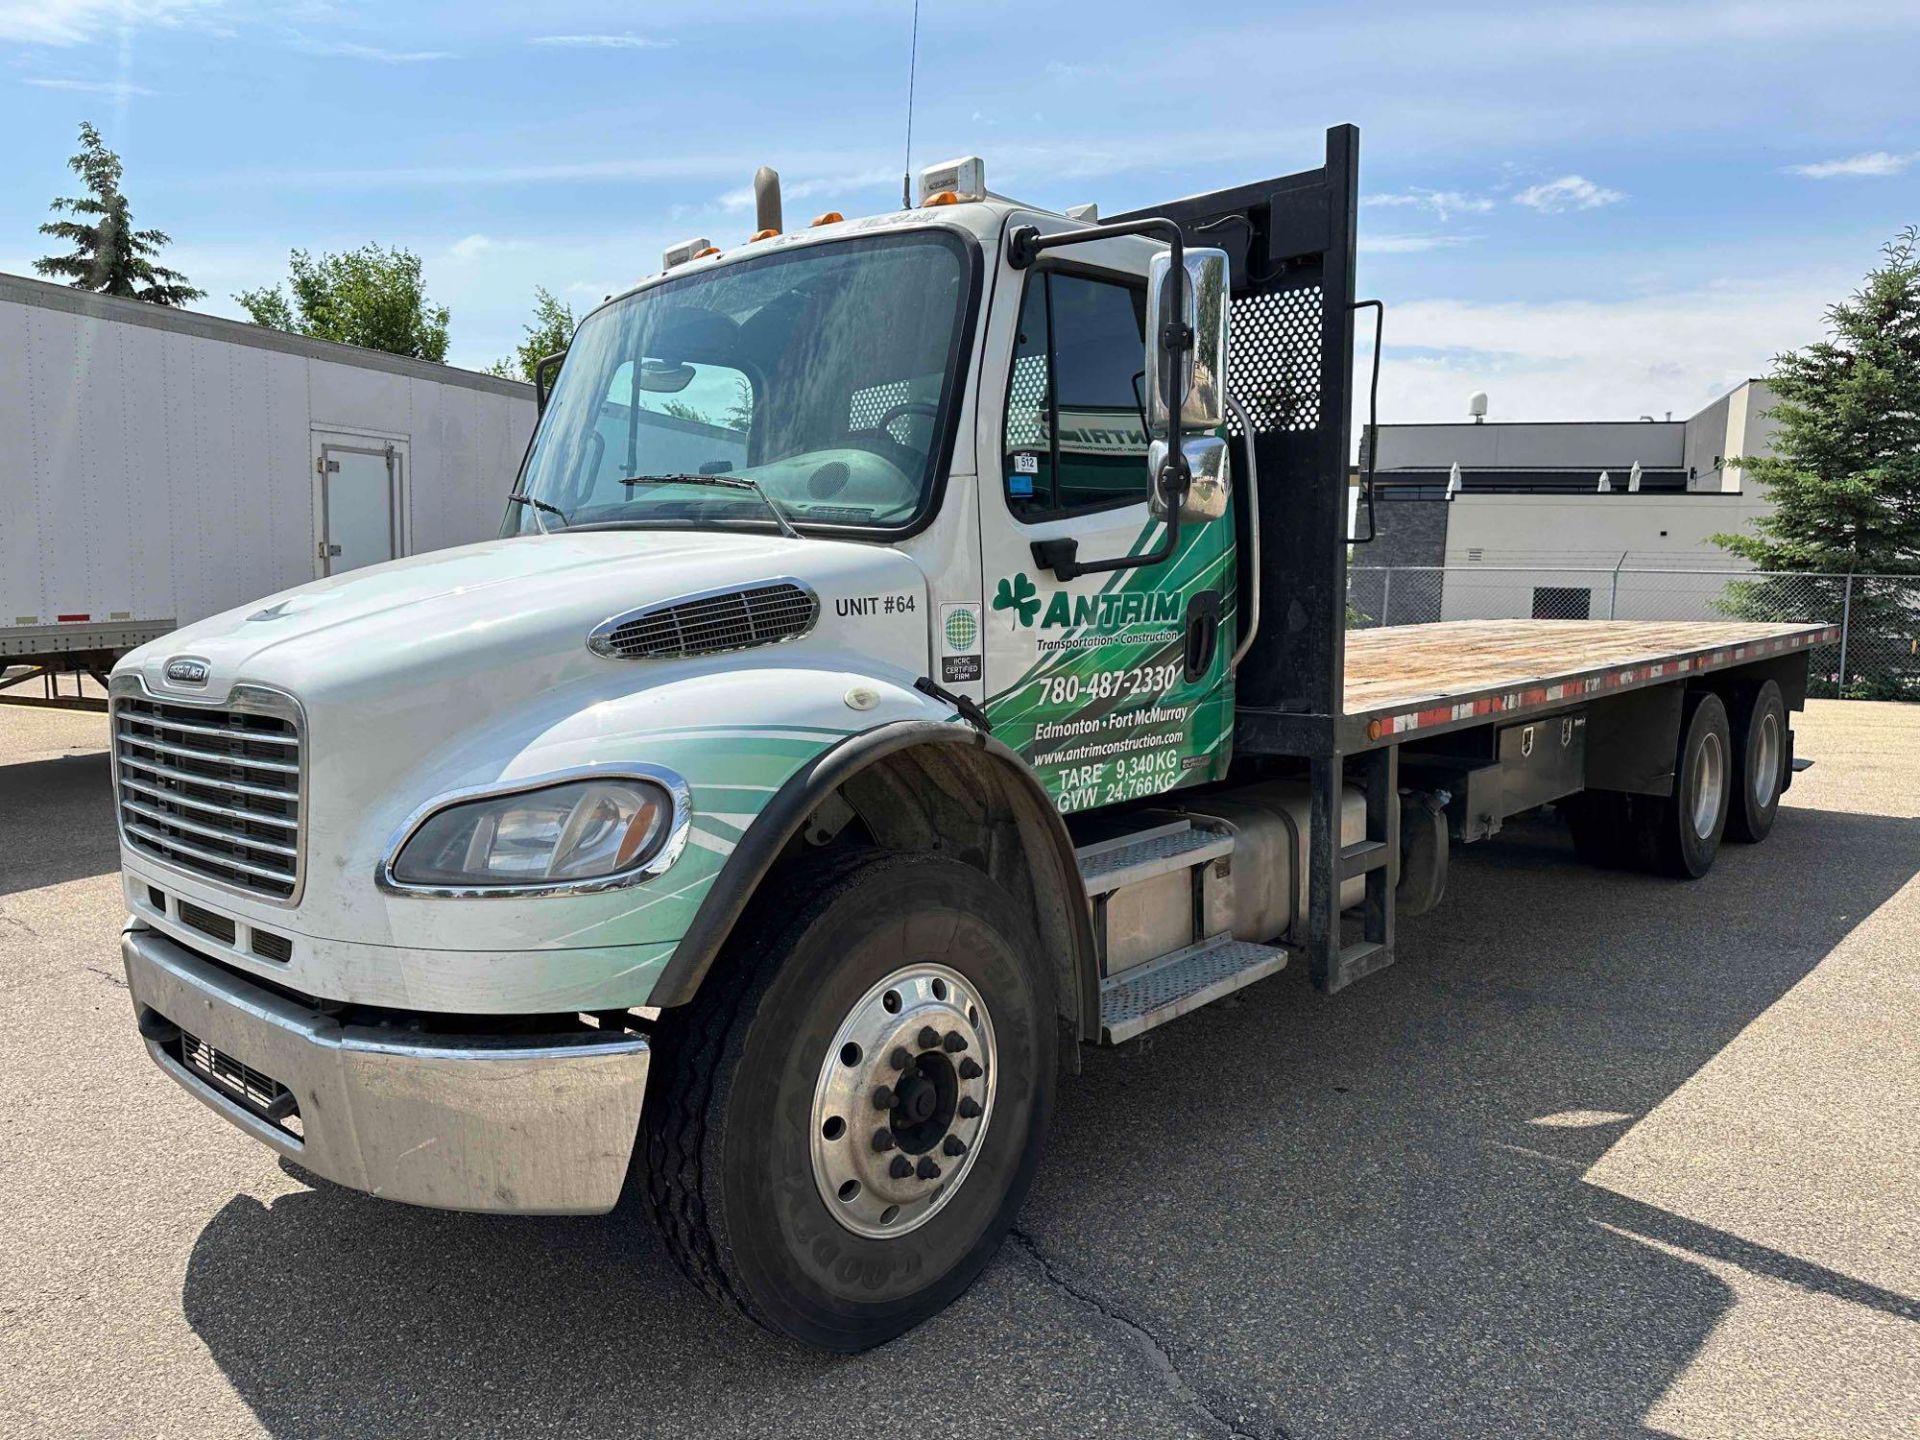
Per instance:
(513,615)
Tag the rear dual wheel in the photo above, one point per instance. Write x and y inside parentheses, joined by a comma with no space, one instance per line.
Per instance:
(1760,758)
(843,1122)
(1677,834)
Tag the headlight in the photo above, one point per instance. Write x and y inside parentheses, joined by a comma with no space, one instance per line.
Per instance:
(588,833)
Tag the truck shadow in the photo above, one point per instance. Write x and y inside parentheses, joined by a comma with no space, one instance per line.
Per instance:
(1323,1215)
(56,821)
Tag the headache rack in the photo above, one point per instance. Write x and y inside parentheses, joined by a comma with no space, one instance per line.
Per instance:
(1290,248)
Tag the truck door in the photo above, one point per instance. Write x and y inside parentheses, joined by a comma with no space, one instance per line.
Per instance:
(1114,685)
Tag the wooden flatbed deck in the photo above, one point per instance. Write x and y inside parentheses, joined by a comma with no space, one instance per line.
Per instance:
(1415,679)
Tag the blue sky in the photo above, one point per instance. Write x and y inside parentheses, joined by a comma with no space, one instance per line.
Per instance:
(1586,210)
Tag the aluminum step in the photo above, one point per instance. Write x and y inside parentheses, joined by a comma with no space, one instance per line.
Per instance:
(1136,1000)
(1112,864)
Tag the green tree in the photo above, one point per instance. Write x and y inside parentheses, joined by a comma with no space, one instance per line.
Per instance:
(1844,479)
(108,254)
(550,332)
(372,297)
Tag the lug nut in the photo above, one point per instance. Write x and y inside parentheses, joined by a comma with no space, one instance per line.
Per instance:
(929,1038)
(969,1108)
(953,1145)
(926,1169)
(883,1139)
(899,1059)
(954,1043)
(970,1069)
(901,1167)
(883,1098)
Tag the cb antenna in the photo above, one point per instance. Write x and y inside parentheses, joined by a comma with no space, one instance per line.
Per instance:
(913,59)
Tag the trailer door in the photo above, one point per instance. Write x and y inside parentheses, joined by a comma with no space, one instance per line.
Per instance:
(358,505)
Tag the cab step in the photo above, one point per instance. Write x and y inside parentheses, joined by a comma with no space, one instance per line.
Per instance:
(1114,864)
(1136,1000)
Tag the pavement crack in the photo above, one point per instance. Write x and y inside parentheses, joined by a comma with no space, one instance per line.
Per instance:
(1144,1340)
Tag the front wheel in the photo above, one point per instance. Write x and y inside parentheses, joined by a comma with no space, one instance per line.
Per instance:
(844,1121)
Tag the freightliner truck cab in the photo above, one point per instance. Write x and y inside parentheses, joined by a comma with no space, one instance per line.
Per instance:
(870,699)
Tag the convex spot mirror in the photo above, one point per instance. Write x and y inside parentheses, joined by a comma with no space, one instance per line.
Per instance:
(1199,382)
(1207,490)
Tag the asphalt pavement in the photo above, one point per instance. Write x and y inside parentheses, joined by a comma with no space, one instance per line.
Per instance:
(1600,1155)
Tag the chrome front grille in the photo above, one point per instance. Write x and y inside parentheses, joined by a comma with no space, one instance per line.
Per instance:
(212,791)
(735,619)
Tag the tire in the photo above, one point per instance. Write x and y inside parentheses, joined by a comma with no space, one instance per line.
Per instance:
(1761,752)
(743,1195)
(1680,835)
(1601,822)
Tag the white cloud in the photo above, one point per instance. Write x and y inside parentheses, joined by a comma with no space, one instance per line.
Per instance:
(352,50)
(1872,163)
(1591,360)
(472,247)
(815,186)
(1371,244)
(76,22)
(118,89)
(1569,192)
(602,42)
(1443,203)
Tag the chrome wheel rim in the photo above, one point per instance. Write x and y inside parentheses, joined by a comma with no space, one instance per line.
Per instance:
(1766,760)
(1709,779)
(904,1098)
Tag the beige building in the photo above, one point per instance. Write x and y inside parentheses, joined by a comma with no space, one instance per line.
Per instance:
(1520,520)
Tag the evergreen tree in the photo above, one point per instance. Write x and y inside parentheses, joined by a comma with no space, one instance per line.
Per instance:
(108,254)
(1844,479)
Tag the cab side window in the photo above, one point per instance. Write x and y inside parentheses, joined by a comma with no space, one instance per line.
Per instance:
(1075,437)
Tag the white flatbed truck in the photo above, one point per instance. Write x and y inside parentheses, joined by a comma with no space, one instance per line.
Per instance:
(915,650)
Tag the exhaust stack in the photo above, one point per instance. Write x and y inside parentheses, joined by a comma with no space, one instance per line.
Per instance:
(766,200)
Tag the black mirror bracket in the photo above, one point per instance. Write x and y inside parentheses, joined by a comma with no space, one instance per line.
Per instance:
(1025,244)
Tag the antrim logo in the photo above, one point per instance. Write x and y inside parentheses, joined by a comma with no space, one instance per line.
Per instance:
(1018,594)
(1099,611)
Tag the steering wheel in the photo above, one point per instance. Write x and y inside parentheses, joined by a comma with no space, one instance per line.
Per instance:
(906,407)
(896,452)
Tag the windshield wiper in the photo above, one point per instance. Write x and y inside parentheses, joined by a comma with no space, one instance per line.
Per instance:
(539,508)
(725,482)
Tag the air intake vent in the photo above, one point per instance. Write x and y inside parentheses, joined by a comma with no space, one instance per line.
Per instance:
(709,624)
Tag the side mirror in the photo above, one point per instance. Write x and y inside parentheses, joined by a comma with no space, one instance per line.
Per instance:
(1198,384)
(1207,491)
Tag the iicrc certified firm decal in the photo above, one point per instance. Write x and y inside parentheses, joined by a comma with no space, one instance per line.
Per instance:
(960,644)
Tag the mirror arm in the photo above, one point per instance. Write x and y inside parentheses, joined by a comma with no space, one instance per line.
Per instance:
(1025,245)
(541,368)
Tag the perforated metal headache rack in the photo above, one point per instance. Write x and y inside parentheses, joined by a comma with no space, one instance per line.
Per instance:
(1290,248)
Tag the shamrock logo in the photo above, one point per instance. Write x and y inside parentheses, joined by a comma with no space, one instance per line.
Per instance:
(1018,595)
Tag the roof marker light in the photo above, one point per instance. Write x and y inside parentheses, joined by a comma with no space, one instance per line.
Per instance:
(828,217)
(955,180)
(683,252)
(767,234)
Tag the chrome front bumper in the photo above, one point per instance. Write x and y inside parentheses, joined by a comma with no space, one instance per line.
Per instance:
(527,1124)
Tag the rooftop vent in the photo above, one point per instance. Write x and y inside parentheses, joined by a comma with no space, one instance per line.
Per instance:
(710,624)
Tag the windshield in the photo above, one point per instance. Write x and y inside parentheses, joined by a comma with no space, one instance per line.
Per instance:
(820,373)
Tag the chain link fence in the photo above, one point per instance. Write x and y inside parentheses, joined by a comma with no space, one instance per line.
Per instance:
(1876,658)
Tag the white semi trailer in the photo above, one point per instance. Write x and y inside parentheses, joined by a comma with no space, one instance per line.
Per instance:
(158,466)
(871,702)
